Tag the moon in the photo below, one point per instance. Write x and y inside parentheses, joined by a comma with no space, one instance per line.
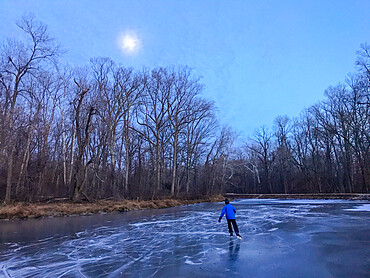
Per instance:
(129,43)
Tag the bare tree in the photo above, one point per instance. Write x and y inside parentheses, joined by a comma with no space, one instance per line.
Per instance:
(197,134)
(17,61)
(262,147)
(153,116)
(180,103)
(83,132)
(281,126)
(363,60)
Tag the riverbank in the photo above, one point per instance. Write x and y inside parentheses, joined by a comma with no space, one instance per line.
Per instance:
(57,209)
(37,210)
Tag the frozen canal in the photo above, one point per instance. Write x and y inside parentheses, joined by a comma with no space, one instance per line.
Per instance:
(286,238)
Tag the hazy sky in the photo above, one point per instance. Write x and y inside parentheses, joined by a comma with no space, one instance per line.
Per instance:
(258,59)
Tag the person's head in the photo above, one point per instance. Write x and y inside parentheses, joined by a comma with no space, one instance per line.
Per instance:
(227,201)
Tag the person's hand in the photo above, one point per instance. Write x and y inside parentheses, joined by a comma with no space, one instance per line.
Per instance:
(219,220)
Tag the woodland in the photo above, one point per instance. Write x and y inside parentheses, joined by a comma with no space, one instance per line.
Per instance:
(106,131)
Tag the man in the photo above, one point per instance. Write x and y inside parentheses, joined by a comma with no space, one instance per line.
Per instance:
(230,216)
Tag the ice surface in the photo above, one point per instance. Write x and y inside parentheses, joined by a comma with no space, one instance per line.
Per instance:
(365,207)
(281,238)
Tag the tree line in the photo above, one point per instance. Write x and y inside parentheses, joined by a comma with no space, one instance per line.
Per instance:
(109,131)
(324,150)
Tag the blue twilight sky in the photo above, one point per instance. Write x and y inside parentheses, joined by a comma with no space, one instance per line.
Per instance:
(258,59)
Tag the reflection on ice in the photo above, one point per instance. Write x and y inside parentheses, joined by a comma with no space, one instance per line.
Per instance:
(188,241)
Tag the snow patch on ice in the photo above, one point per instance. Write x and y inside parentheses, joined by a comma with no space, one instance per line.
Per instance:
(273,229)
(188,261)
(156,222)
(221,251)
(365,207)
(78,234)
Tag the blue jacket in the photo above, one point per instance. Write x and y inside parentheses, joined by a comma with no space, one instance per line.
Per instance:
(229,210)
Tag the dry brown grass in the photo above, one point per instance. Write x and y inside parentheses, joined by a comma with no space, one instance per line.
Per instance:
(36,210)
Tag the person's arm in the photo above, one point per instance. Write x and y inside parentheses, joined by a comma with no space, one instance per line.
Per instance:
(222,213)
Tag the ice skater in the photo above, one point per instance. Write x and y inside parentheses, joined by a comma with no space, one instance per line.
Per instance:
(230,217)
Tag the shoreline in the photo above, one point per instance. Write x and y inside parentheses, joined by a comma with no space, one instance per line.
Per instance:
(24,211)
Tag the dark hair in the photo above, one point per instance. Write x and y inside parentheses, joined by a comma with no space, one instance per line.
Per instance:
(227,201)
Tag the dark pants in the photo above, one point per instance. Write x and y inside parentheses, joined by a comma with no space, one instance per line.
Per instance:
(229,221)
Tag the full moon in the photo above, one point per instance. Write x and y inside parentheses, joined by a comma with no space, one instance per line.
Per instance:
(129,43)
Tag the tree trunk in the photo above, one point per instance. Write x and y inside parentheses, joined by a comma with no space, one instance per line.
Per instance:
(158,166)
(174,166)
(64,145)
(187,181)
(72,157)
(25,160)
(127,172)
(9,176)
(128,159)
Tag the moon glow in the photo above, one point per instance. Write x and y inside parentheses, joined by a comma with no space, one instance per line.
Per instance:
(129,43)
